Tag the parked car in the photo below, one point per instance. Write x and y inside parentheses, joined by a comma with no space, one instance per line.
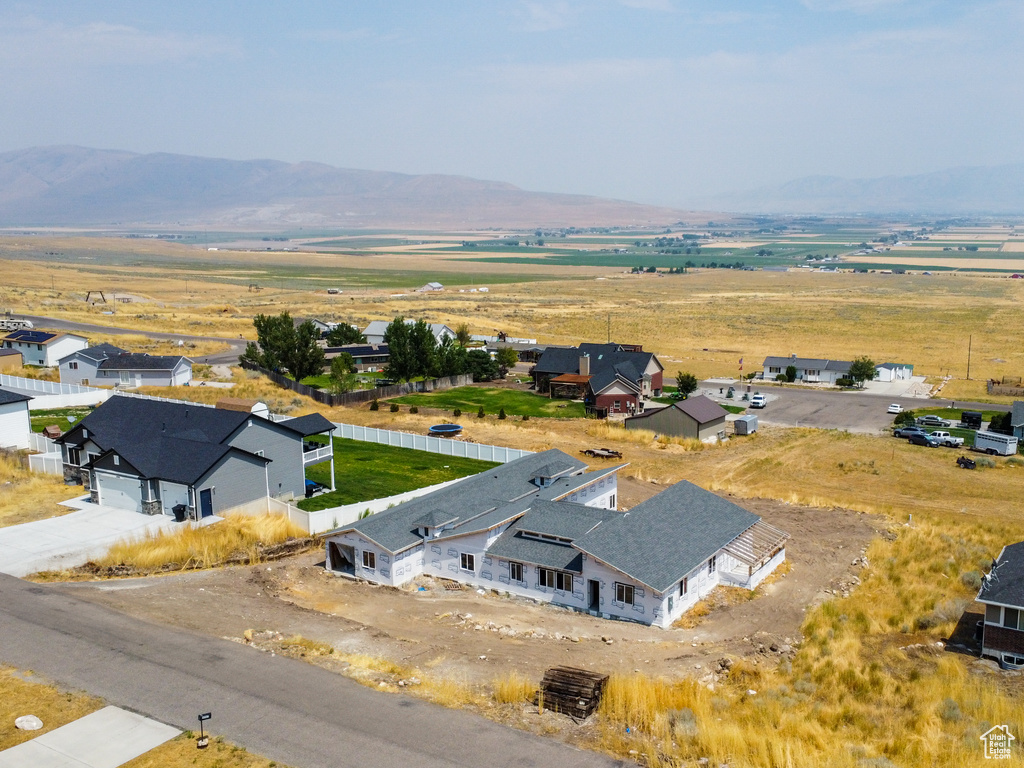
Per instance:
(931,420)
(895,408)
(946,439)
(923,439)
(907,431)
(758,401)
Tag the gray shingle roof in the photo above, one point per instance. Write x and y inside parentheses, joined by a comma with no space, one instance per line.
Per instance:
(603,361)
(479,501)
(805,363)
(311,424)
(701,409)
(1005,584)
(137,361)
(7,397)
(664,538)
(562,519)
(98,352)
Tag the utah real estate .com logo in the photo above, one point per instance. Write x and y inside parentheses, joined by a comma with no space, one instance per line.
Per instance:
(997,742)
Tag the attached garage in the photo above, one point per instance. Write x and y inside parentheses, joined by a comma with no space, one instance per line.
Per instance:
(119,491)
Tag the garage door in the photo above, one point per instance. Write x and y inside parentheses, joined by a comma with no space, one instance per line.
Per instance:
(123,492)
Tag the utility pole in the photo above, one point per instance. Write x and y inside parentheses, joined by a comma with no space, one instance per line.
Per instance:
(609,327)
(969,340)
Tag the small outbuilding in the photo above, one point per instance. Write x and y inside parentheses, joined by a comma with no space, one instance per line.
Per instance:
(10,359)
(745,425)
(15,425)
(699,418)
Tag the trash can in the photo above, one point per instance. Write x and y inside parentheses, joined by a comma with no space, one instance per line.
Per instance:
(179,512)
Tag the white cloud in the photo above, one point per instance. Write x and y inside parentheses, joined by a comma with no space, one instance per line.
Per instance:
(30,41)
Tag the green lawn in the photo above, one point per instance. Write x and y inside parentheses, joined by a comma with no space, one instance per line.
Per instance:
(953,414)
(58,416)
(364,471)
(514,401)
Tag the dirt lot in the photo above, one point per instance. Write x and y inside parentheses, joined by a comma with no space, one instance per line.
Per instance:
(476,637)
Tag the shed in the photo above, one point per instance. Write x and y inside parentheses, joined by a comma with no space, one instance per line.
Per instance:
(699,417)
(746,425)
(10,359)
(15,425)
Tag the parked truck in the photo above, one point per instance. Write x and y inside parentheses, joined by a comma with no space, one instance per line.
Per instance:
(946,439)
(995,444)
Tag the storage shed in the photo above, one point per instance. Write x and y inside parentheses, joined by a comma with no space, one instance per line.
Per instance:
(746,425)
(697,417)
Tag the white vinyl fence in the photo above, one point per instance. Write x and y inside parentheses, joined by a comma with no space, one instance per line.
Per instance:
(49,460)
(52,394)
(333,517)
(440,445)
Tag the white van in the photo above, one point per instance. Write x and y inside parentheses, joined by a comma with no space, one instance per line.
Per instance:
(994,443)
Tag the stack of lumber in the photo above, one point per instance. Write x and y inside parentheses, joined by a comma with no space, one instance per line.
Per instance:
(572,691)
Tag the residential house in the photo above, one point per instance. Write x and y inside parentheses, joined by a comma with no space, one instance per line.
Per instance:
(43,348)
(374,332)
(699,418)
(154,455)
(1017,419)
(545,528)
(1002,594)
(10,359)
(140,370)
(822,371)
(82,365)
(15,426)
(366,357)
(611,378)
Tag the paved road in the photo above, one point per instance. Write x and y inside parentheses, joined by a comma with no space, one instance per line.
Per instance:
(284,709)
(850,411)
(229,357)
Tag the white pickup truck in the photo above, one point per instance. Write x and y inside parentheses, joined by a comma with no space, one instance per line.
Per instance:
(946,439)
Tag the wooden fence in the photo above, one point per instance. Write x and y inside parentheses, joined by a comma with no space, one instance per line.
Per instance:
(362,395)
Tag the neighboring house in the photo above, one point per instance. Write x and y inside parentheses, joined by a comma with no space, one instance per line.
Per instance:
(894,372)
(82,365)
(244,405)
(1002,594)
(367,357)
(10,359)
(699,417)
(1017,419)
(15,426)
(543,527)
(153,455)
(430,287)
(139,370)
(611,378)
(821,371)
(374,332)
(43,348)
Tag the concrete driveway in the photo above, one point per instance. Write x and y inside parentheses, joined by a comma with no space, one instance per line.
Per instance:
(71,540)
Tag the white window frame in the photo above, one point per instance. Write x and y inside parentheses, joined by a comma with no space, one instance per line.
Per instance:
(513,569)
(684,586)
(556,580)
(625,593)
(712,564)
(467,562)
(369,560)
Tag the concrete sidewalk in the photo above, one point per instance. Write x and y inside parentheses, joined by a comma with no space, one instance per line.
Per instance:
(71,540)
(105,739)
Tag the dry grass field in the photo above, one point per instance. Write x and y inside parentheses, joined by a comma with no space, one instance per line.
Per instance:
(26,496)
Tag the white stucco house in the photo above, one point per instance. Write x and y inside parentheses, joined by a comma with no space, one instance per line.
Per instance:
(889,372)
(41,347)
(545,528)
(15,425)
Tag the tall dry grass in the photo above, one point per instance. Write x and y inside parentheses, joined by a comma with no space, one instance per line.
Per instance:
(513,688)
(27,496)
(188,547)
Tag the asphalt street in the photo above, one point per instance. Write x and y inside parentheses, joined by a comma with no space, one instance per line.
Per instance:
(284,709)
(850,411)
(230,357)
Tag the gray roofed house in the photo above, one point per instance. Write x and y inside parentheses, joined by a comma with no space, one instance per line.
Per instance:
(821,370)
(1002,594)
(154,455)
(105,364)
(374,332)
(543,527)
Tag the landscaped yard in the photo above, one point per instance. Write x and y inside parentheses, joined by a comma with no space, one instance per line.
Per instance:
(364,471)
(65,418)
(514,401)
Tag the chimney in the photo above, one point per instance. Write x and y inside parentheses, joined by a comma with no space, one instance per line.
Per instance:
(585,365)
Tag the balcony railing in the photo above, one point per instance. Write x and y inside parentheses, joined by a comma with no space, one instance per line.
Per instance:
(314,453)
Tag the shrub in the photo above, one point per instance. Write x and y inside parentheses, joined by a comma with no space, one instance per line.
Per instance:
(413,409)
(790,373)
(781,377)
(374,405)
(843,381)
(526,417)
(457,412)
(906,418)
(501,414)
(394,407)
(971,579)
(950,711)
(985,462)
(480,414)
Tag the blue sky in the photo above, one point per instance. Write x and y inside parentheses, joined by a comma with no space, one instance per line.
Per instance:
(660,101)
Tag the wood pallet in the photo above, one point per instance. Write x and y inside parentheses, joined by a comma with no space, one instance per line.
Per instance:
(451,586)
(571,691)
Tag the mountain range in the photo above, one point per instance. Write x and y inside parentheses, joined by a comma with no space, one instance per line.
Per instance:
(78,186)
